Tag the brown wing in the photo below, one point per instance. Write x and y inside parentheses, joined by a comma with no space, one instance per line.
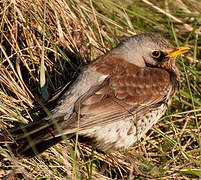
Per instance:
(123,94)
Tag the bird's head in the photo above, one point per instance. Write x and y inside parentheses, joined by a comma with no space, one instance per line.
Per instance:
(151,50)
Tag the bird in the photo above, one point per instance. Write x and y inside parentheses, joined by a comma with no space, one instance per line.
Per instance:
(113,102)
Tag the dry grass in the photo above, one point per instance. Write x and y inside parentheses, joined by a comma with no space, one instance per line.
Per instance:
(65,35)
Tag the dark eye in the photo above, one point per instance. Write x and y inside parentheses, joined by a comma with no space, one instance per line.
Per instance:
(158,55)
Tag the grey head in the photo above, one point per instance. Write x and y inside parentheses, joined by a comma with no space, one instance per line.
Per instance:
(138,49)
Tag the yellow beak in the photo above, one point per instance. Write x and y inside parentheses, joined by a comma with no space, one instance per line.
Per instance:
(178,51)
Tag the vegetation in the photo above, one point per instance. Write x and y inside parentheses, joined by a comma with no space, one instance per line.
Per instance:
(43,44)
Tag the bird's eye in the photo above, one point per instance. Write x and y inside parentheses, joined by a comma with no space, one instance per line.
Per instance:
(158,55)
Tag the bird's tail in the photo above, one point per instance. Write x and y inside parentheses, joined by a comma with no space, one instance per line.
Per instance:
(30,140)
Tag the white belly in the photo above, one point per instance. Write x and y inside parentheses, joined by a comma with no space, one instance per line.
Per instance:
(124,133)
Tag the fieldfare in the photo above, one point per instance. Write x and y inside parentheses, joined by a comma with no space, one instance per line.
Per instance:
(115,100)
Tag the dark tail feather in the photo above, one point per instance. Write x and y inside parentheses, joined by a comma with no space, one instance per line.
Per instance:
(34,138)
(27,150)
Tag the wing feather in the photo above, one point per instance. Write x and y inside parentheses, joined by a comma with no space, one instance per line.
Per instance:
(123,95)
